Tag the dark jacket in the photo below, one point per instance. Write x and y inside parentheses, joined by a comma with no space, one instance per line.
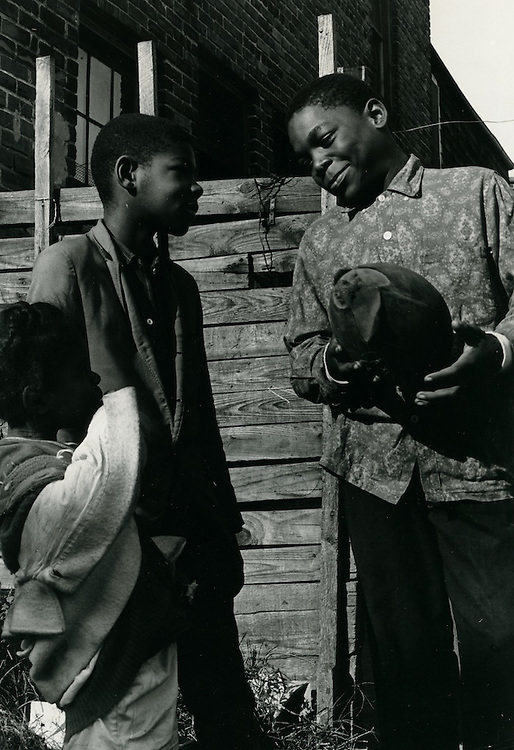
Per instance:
(186,488)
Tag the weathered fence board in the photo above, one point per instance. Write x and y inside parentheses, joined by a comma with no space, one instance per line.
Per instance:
(286,527)
(273,405)
(248,374)
(291,648)
(240,236)
(220,198)
(17,208)
(297,481)
(221,272)
(245,340)
(227,197)
(268,598)
(272,441)
(13,286)
(281,564)
(245,305)
(16,253)
(280,623)
(234,271)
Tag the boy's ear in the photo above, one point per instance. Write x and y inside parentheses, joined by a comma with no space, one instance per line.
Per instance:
(125,173)
(377,112)
(36,402)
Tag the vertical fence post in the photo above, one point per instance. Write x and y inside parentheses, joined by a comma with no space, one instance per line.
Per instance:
(333,659)
(147,78)
(148,105)
(326,64)
(43,179)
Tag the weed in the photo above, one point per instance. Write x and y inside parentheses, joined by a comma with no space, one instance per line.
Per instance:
(287,712)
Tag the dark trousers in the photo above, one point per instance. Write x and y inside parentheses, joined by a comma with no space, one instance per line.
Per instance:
(212,678)
(411,560)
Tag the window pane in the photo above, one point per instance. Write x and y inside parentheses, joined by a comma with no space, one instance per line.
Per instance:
(116,94)
(99,92)
(82,82)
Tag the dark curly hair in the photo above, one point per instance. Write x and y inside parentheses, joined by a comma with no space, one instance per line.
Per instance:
(33,343)
(136,135)
(333,90)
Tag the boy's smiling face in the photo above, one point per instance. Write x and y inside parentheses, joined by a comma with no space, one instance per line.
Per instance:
(342,148)
(167,190)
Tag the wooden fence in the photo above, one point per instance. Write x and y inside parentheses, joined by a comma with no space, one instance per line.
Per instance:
(241,250)
(272,439)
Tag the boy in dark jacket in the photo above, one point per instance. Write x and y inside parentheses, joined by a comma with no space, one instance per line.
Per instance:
(142,317)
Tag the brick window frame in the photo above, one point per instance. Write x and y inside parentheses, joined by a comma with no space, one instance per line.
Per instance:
(106,84)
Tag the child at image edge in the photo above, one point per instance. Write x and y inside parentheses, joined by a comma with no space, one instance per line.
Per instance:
(94,607)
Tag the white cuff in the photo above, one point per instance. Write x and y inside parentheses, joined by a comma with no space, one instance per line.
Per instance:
(327,374)
(506,349)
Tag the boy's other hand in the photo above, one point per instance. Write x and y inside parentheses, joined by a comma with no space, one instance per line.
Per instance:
(357,380)
(481,358)
(338,367)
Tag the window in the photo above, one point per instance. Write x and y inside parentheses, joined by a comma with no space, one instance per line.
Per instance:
(106,86)
(225,104)
(98,101)
(381,47)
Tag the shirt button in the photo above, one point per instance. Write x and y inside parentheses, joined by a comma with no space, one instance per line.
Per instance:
(149,321)
(387,235)
(381,198)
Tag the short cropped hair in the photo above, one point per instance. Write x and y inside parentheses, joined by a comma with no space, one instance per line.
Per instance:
(34,342)
(333,90)
(136,135)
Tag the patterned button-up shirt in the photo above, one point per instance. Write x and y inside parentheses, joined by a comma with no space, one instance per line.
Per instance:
(454,227)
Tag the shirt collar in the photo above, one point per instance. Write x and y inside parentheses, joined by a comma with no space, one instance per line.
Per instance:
(128,257)
(406,182)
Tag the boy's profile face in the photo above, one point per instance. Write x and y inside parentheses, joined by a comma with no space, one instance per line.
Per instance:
(342,149)
(167,190)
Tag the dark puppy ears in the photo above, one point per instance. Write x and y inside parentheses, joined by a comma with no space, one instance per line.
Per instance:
(341,272)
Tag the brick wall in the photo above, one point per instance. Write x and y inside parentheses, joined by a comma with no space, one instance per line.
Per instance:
(28,30)
(270,45)
(411,62)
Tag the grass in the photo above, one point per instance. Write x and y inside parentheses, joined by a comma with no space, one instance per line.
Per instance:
(285,708)
(16,693)
(16,735)
(287,712)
